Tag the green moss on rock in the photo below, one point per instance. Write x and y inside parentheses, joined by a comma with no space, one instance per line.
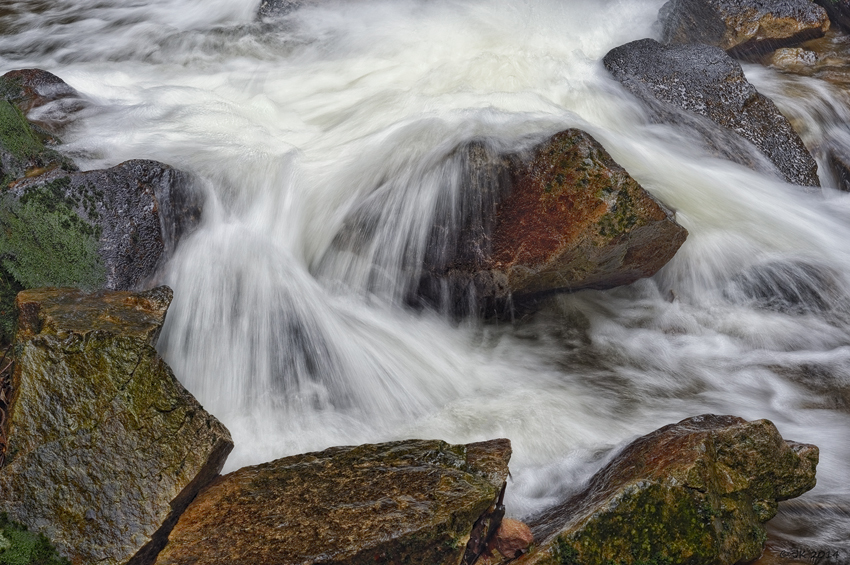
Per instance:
(18,546)
(22,153)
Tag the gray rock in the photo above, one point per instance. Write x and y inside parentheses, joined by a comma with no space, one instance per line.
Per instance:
(744,28)
(701,88)
(839,12)
(130,217)
(105,447)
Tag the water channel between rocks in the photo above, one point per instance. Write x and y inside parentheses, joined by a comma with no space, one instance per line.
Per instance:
(297,344)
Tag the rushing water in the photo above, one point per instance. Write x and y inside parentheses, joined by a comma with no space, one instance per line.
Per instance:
(349,112)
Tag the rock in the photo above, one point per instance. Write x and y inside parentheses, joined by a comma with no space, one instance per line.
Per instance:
(105,447)
(696,492)
(793,57)
(402,502)
(277,8)
(839,160)
(20,546)
(511,540)
(701,88)
(569,218)
(744,28)
(839,12)
(29,89)
(22,151)
(96,229)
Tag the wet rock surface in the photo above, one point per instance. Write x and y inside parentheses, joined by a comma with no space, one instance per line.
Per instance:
(105,446)
(569,218)
(701,88)
(839,12)
(47,101)
(695,492)
(402,502)
(107,228)
(744,28)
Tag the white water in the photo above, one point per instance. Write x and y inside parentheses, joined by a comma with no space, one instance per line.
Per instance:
(297,343)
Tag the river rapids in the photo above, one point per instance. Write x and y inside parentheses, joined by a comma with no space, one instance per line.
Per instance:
(293,127)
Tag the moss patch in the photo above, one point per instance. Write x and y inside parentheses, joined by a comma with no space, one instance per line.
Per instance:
(21,547)
(44,242)
(22,152)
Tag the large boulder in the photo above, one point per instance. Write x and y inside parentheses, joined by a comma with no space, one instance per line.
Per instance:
(413,502)
(107,228)
(744,28)
(702,88)
(105,447)
(696,492)
(561,217)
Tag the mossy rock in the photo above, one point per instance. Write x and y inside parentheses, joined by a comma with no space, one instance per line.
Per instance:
(19,546)
(71,230)
(693,493)
(105,447)
(412,502)
(562,216)
(22,152)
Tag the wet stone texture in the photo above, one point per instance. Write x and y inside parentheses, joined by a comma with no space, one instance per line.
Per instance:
(412,502)
(105,228)
(839,12)
(696,492)
(701,88)
(105,447)
(569,218)
(744,28)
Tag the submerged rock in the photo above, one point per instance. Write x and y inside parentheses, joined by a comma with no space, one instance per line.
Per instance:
(744,28)
(696,492)
(105,447)
(571,218)
(701,88)
(410,502)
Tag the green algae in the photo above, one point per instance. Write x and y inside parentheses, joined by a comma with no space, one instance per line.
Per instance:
(18,546)
(22,151)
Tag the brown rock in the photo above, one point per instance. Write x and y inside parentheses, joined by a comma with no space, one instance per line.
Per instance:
(105,447)
(402,502)
(570,218)
(744,28)
(511,540)
(31,89)
(696,492)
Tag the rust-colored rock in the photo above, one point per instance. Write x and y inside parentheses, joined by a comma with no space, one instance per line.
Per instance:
(576,219)
(402,502)
(55,102)
(696,492)
(511,540)
(570,218)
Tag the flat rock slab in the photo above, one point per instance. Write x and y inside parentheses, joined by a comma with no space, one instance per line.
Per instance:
(744,28)
(702,88)
(696,492)
(105,447)
(402,502)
